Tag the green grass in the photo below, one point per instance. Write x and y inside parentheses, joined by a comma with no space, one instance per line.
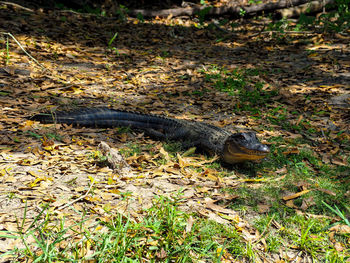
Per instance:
(240,83)
(303,169)
(131,149)
(159,236)
(306,234)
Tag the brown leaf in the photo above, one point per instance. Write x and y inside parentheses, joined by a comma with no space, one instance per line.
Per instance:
(281,171)
(291,151)
(263,208)
(293,196)
(9,70)
(161,254)
(339,161)
(216,218)
(299,120)
(210,203)
(327,191)
(189,224)
(341,229)
(165,154)
(339,247)
(291,204)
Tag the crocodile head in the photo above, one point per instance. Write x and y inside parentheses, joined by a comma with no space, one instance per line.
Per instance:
(244,146)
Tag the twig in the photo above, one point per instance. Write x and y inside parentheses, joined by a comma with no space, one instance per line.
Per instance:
(284,32)
(17,6)
(223,30)
(263,233)
(19,44)
(76,200)
(260,32)
(86,14)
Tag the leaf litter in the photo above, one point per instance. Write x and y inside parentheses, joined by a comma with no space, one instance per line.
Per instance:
(150,70)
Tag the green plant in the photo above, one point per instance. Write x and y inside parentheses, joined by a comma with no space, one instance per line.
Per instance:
(110,42)
(122,12)
(279,26)
(242,12)
(130,150)
(172,147)
(7,51)
(304,22)
(98,157)
(337,20)
(202,14)
(252,95)
(140,18)
(339,213)
(34,135)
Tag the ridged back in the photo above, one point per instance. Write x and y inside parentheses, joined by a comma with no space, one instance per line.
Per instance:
(105,117)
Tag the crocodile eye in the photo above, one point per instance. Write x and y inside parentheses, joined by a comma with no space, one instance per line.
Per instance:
(239,137)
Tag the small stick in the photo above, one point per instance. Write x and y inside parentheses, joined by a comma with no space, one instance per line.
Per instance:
(19,44)
(17,6)
(76,200)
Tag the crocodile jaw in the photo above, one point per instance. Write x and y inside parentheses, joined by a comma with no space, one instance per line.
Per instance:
(243,147)
(232,158)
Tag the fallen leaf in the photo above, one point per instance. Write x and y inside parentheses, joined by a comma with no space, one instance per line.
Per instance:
(189,224)
(341,229)
(326,191)
(263,208)
(291,151)
(293,196)
(339,161)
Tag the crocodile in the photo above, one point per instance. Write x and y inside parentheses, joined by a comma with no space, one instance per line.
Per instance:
(230,147)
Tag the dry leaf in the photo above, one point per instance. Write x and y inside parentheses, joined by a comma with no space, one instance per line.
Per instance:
(263,208)
(293,196)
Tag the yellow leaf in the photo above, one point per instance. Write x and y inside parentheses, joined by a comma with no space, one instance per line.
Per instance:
(106,196)
(37,180)
(293,196)
(49,148)
(110,181)
(27,162)
(312,55)
(220,251)
(33,173)
(107,207)
(114,191)
(252,180)
(92,180)
(3,172)
(153,243)
(165,153)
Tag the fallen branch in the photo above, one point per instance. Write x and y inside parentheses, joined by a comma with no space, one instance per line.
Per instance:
(223,10)
(309,8)
(17,6)
(284,32)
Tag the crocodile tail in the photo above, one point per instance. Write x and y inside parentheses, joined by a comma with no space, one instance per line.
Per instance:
(106,118)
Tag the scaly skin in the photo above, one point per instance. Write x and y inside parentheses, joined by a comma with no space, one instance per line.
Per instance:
(231,147)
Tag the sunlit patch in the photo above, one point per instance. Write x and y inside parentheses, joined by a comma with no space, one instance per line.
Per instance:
(241,157)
